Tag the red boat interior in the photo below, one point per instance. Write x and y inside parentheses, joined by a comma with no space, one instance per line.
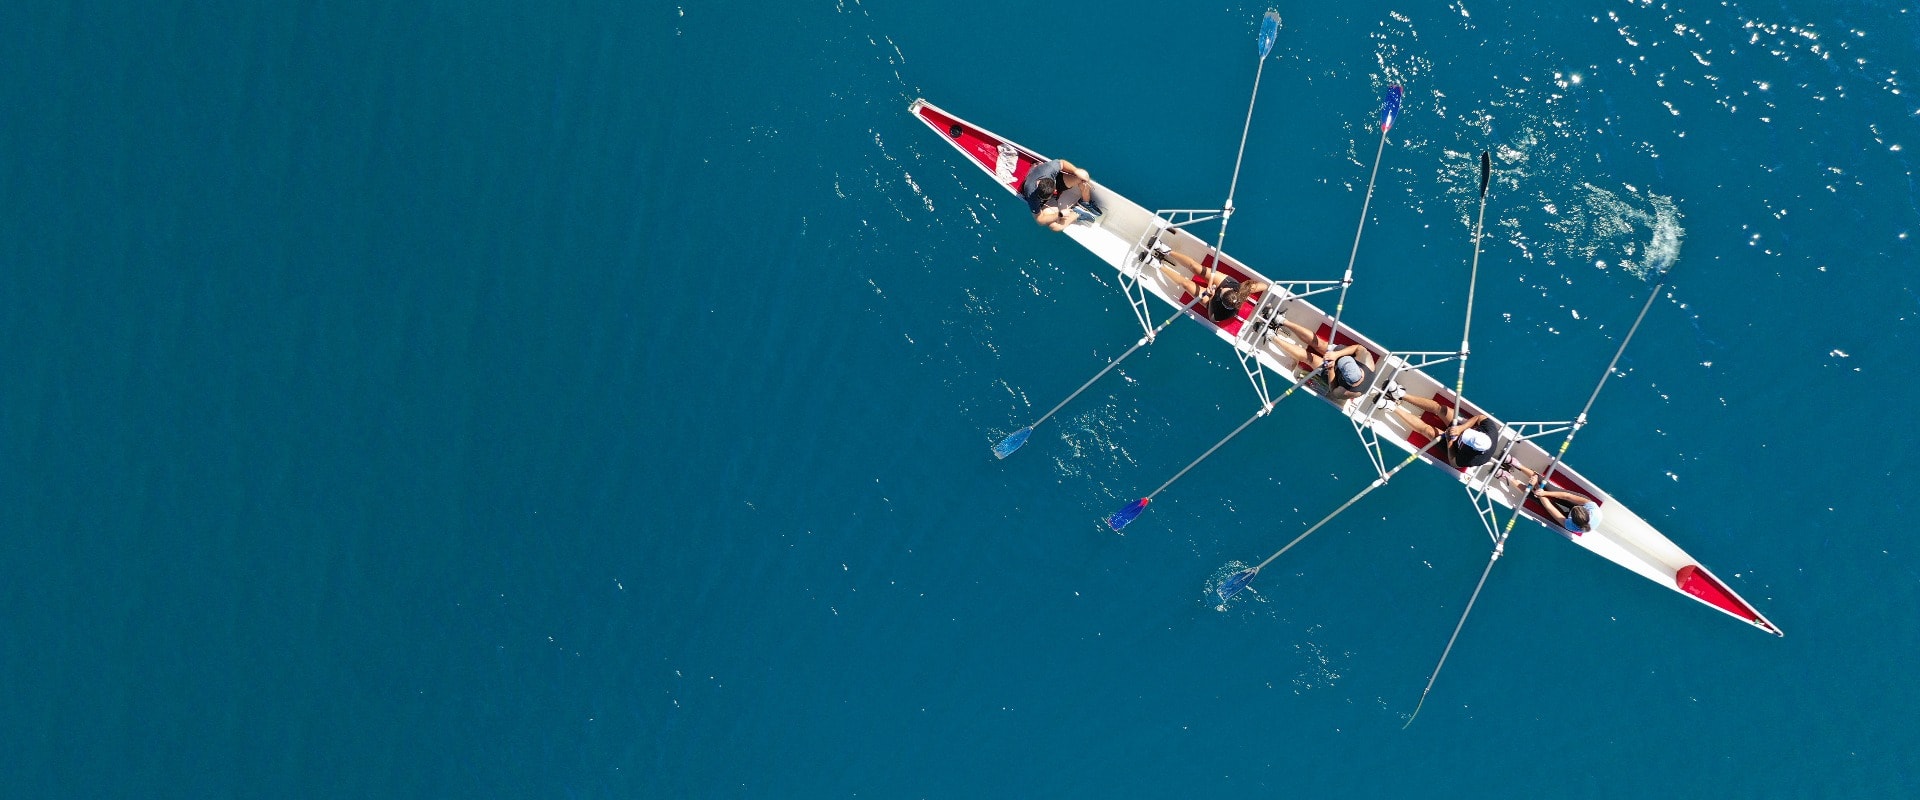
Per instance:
(1695,581)
(983,148)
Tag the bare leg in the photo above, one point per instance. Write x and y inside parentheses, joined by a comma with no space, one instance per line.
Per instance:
(1185,262)
(1178,279)
(1291,350)
(1427,404)
(1416,423)
(1302,352)
(1547,503)
(1310,344)
(1305,336)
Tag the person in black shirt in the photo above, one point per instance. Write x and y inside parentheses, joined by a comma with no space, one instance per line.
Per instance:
(1221,297)
(1468,444)
(1052,189)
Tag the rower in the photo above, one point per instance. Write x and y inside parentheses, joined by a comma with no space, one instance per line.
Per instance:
(1574,512)
(1344,372)
(1468,444)
(1221,297)
(1052,189)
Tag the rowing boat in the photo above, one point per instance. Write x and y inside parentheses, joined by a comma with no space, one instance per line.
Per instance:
(1122,233)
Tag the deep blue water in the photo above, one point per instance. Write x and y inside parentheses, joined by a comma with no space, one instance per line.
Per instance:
(487,400)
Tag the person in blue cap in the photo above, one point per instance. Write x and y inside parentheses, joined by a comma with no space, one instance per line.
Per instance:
(1344,372)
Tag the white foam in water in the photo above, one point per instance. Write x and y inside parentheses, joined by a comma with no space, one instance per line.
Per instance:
(1641,229)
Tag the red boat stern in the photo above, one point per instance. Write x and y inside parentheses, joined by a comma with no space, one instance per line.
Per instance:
(1698,582)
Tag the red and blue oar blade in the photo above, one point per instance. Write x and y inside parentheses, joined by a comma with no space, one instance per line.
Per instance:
(1269,31)
(1391,110)
(1012,442)
(1131,512)
(1236,584)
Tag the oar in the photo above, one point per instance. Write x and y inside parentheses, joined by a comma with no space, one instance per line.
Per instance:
(1131,511)
(1014,440)
(1473,277)
(1389,111)
(1500,545)
(1269,31)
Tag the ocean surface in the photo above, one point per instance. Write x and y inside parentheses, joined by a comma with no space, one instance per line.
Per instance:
(594,399)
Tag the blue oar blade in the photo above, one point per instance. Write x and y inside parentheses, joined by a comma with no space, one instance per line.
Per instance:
(1390,111)
(1486,171)
(1126,515)
(1012,442)
(1235,584)
(1269,31)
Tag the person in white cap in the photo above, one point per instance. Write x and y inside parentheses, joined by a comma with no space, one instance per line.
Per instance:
(1468,444)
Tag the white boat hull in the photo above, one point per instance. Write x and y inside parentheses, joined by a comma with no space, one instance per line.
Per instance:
(1621,537)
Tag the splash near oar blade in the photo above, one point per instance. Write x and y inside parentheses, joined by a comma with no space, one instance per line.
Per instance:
(1012,442)
(1269,31)
(1486,171)
(1390,111)
(1235,584)
(1121,518)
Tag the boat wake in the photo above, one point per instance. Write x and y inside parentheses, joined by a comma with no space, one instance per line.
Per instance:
(1211,590)
(1639,232)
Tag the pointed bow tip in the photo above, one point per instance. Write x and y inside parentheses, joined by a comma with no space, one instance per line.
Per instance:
(1707,588)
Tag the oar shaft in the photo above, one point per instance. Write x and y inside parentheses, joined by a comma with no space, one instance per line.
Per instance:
(1497,550)
(1473,280)
(1500,544)
(1377,483)
(1233,185)
(1346,280)
(1622,349)
(1245,128)
(1366,203)
(1116,362)
(1581,421)
(1217,445)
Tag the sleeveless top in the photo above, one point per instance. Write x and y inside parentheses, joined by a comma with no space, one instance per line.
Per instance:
(1218,308)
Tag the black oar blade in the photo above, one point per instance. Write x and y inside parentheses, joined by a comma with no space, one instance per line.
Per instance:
(1131,512)
(1236,584)
(1012,442)
(1486,171)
